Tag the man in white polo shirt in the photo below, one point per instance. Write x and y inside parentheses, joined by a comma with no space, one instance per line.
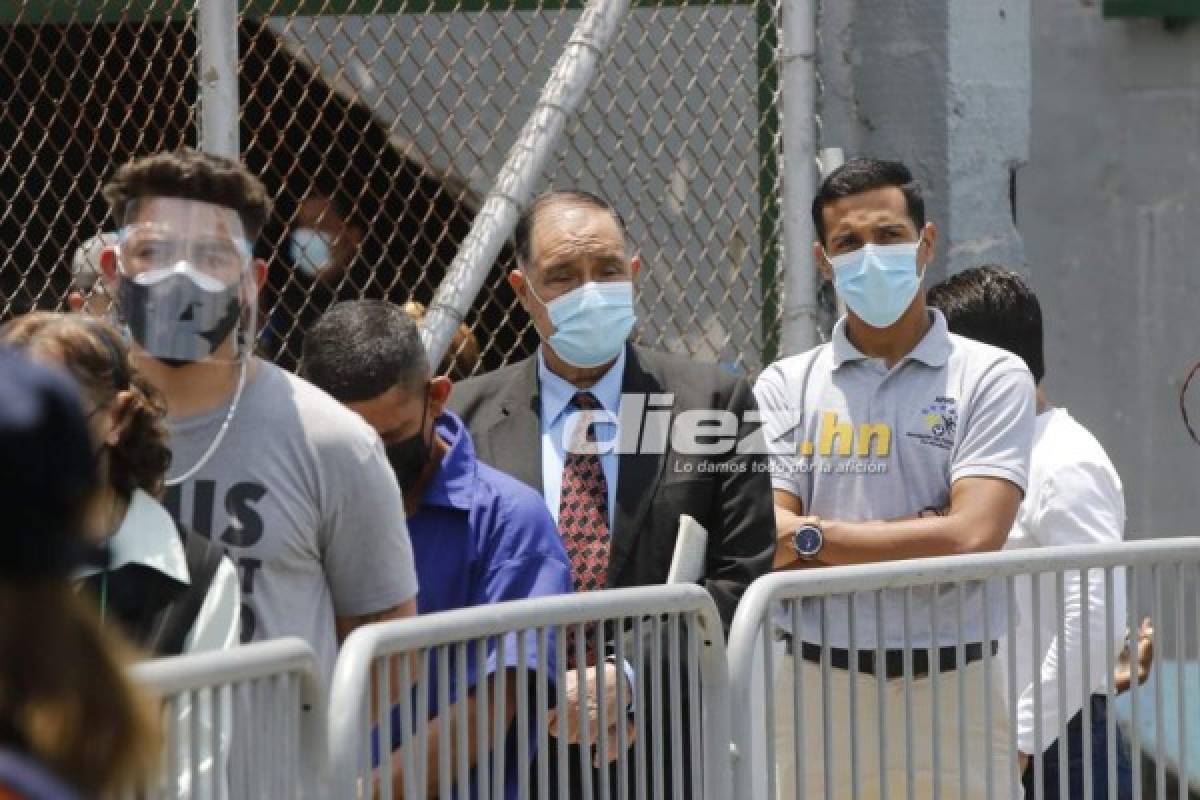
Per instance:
(897,440)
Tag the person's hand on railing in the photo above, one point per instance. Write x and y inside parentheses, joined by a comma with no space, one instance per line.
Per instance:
(582,686)
(1145,658)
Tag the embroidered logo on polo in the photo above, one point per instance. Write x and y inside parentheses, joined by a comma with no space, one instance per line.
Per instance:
(938,425)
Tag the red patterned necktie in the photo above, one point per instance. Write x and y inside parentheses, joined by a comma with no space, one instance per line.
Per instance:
(583,504)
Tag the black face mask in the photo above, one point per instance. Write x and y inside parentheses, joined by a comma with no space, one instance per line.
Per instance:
(408,457)
(177,321)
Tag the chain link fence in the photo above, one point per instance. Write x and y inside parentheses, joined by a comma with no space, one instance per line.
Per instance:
(379,125)
(85,87)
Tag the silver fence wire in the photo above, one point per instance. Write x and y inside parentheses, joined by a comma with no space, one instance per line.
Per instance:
(85,87)
(379,125)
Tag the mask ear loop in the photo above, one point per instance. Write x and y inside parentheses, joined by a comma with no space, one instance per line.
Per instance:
(924,269)
(1183,405)
(428,443)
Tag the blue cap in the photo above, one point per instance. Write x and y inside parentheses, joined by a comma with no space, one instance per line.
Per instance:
(47,470)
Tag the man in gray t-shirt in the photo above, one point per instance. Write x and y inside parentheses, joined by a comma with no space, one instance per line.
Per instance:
(297,489)
(301,496)
(897,440)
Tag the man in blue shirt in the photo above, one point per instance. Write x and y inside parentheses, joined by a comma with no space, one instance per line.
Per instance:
(478,536)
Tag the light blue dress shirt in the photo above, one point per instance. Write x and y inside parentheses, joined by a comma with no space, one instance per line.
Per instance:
(557,424)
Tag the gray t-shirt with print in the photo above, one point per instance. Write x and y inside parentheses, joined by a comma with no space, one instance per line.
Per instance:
(856,441)
(300,494)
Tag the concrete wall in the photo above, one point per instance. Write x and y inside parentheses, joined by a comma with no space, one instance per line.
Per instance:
(943,85)
(1109,207)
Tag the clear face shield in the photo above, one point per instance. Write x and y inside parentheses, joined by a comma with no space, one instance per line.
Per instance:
(187,291)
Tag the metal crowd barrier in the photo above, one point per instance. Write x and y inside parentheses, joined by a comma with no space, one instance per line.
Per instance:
(515,657)
(251,722)
(957,719)
(245,723)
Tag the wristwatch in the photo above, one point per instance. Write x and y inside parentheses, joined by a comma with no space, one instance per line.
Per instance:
(807,540)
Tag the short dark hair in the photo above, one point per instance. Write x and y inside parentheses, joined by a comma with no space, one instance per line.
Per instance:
(191,175)
(362,348)
(861,175)
(523,234)
(994,305)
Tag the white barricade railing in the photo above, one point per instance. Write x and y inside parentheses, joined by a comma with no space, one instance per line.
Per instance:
(861,711)
(246,722)
(674,743)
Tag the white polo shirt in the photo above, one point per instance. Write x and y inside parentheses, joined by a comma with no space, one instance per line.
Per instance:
(856,441)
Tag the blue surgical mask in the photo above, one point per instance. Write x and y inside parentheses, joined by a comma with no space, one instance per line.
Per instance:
(310,251)
(878,282)
(591,323)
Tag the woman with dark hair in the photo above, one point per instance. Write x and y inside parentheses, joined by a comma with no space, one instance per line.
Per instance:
(169,592)
(71,723)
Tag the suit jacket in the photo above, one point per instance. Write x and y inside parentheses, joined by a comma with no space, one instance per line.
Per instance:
(730,495)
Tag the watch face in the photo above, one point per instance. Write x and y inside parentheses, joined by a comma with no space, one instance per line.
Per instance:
(807,540)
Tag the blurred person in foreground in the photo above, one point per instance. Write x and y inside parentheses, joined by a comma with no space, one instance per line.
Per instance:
(896,440)
(1074,497)
(72,725)
(479,536)
(294,487)
(168,592)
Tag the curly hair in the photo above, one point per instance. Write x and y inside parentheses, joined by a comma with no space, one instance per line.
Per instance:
(96,357)
(192,175)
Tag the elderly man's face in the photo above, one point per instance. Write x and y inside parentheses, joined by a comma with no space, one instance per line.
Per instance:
(570,245)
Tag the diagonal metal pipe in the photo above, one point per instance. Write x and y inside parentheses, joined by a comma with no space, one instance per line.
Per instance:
(526,162)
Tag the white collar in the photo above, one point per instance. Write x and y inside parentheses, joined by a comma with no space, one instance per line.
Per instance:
(147,536)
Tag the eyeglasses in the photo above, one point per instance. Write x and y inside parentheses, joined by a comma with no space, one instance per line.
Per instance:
(147,248)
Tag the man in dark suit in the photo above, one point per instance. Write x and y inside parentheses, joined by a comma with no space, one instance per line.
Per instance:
(618,503)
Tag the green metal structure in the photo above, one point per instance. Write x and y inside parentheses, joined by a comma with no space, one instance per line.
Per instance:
(1157,9)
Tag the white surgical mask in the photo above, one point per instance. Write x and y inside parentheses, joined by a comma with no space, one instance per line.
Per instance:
(310,251)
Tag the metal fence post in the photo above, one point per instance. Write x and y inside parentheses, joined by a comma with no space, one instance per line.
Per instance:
(217,46)
(767,65)
(287,747)
(799,134)
(561,97)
